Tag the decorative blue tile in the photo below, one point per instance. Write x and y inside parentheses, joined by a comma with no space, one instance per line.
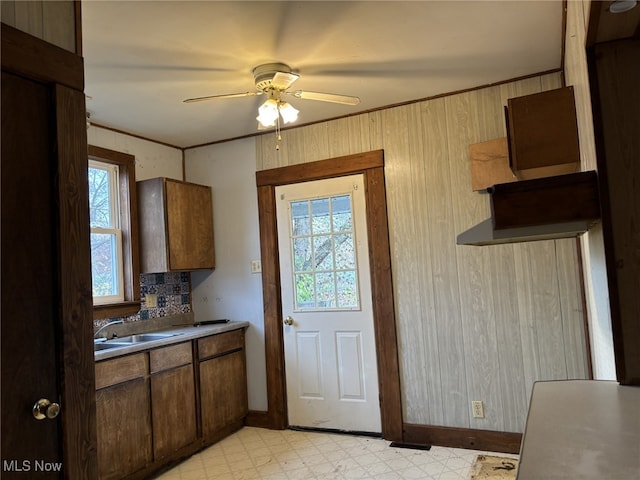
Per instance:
(174,296)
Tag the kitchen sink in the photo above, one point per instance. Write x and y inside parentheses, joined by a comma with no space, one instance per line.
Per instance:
(142,337)
(119,342)
(105,346)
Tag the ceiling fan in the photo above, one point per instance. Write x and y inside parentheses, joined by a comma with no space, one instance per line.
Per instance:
(274,80)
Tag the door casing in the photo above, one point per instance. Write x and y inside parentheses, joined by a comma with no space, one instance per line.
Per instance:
(371,165)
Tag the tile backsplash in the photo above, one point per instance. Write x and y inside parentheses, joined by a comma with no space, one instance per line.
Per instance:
(173,290)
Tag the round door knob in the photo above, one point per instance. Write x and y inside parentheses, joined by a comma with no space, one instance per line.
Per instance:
(288,321)
(43,408)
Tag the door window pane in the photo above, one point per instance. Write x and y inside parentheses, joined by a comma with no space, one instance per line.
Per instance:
(324,256)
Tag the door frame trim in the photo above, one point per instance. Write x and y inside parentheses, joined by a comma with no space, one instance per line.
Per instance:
(371,165)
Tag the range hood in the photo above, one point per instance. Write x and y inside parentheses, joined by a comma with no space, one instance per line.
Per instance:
(563,206)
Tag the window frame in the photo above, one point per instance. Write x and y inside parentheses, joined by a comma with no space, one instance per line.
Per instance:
(129,227)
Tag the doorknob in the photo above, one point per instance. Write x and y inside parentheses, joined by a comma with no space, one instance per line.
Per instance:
(288,320)
(43,408)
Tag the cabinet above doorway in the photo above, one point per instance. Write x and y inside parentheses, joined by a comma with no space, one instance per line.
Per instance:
(176,226)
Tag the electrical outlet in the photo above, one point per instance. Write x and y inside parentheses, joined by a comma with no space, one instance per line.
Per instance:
(151,300)
(256,266)
(477,409)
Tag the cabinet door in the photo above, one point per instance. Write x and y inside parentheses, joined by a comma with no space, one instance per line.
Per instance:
(174,410)
(189,226)
(124,428)
(223,392)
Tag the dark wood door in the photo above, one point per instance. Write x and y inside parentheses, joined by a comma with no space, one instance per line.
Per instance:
(46,326)
(29,282)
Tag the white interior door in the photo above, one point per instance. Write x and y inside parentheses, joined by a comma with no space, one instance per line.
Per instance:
(332,379)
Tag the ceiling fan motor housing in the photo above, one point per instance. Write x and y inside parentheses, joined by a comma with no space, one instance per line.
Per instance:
(263,74)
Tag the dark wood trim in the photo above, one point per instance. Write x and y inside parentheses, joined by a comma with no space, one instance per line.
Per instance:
(333,167)
(129,225)
(488,440)
(563,42)
(77,362)
(29,56)
(272,308)
(594,22)
(258,419)
(102,154)
(112,310)
(383,304)
(77,7)
(135,135)
(371,164)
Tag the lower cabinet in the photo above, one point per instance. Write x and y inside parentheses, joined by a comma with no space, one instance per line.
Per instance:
(159,406)
(173,399)
(123,420)
(223,397)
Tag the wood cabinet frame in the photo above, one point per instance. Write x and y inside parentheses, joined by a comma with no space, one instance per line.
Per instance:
(371,165)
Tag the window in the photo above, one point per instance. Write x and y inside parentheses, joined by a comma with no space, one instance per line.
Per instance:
(115,267)
(324,256)
(107,264)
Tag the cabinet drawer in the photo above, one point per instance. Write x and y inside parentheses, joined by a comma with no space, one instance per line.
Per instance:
(220,343)
(118,370)
(170,357)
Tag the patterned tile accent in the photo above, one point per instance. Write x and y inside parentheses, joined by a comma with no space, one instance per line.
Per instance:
(255,453)
(174,296)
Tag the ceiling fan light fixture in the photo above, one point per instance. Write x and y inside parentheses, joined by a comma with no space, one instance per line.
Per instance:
(288,112)
(268,113)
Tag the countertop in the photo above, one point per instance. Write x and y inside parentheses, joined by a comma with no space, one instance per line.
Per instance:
(586,429)
(180,334)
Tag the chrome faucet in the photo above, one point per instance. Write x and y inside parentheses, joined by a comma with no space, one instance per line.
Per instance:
(114,322)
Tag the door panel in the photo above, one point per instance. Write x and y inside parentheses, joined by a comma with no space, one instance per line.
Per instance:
(29,286)
(350,365)
(329,338)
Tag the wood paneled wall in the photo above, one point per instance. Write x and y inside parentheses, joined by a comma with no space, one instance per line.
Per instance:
(474,323)
(53,22)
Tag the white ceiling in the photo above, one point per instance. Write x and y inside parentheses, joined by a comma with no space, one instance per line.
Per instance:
(143,58)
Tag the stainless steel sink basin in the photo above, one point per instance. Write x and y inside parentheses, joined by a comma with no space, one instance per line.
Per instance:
(105,346)
(119,342)
(141,337)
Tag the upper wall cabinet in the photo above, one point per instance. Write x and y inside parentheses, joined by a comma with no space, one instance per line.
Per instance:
(542,133)
(176,226)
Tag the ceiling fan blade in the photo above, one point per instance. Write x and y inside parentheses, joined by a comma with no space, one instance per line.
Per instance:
(282,80)
(218,97)
(325,97)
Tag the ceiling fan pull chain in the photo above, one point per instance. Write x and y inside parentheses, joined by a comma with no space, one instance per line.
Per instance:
(278,136)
